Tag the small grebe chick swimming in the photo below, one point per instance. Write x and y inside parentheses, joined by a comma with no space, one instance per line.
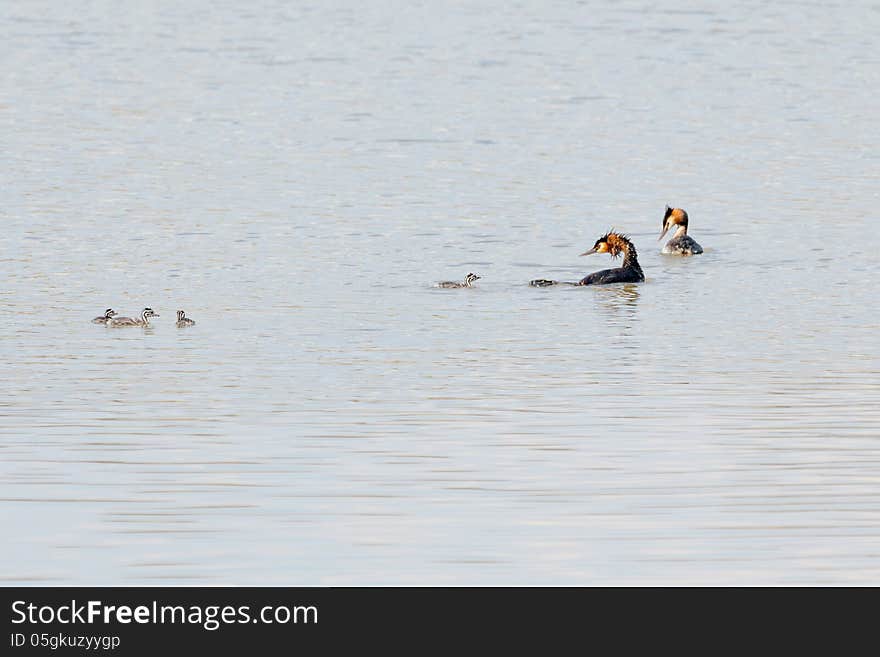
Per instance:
(183,320)
(615,244)
(143,320)
(681,243)
(468,282)
(103,318)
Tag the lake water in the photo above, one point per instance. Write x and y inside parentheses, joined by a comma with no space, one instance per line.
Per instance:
(298,177)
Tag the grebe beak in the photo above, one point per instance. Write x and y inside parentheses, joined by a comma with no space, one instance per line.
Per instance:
(590,252)
(665,230)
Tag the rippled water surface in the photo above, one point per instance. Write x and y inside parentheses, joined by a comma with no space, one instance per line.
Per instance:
(297,178)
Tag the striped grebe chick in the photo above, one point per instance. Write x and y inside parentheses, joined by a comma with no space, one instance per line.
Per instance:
(183,320)
(681,243)
(614,244)
(468,282)
(103,318)
(143,320)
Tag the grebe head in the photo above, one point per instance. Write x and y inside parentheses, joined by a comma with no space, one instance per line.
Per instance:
(470,278)
(148,312)
(611,242)
(180,315)
(673,217)
(109,313)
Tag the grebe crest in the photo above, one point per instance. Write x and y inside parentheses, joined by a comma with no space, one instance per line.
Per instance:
(143,320)
(611,243)
(103,318)
(681,243)
(468,282)
(183,320)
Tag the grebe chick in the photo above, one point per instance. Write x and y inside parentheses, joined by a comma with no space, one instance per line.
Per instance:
(103,318)
(681,243)
(183,320)
(143,320)
(614,244)
(468,282)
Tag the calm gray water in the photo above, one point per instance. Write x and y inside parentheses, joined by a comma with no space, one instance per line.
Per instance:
(297,178)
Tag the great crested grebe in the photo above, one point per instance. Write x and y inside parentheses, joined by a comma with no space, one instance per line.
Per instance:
(143,320)
(183,320)
(681,243)
(103,318)
(468,282)
(615,244)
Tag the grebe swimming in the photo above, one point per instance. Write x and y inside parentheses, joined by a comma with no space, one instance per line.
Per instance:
(103,318)
(615,244)
(681,243)
(183,320)
(468,282)
(143,320)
